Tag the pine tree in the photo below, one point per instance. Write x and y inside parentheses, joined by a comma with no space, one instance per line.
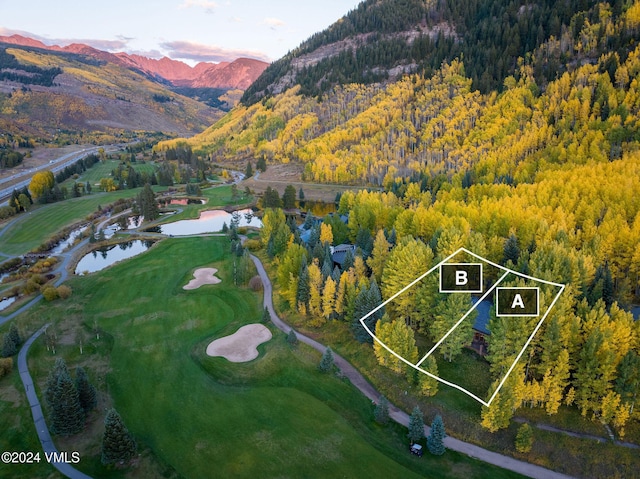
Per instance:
(52,380)
(86,391)
(381,412)
(524,438)
(511,250)
(416,425)
(326,363)
(147,203)
(289,197)
(248,173)
(15,335)
(266,317)
(67,416)
(292,338)
(9,347)
(300,194)
(118,445)
(435,441)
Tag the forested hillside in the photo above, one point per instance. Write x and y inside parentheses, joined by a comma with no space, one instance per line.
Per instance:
(380,40)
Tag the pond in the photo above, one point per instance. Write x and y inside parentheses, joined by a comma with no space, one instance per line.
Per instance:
(100,258)
(6,302)
(63,245)
(209,222)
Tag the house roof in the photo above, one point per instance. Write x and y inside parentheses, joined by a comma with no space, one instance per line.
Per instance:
(484,313)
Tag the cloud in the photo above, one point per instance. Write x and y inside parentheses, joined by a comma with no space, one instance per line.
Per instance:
(235,19)
(207,5)
(106,45)
(272,22)
(208,53)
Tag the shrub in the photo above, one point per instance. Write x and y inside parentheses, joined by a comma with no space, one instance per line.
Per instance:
(255,283)
(253,244)
(50,293)
(6,366)
(64,291)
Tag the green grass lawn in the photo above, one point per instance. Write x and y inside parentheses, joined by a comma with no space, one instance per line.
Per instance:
(195,416)
(103,169)
(34,228)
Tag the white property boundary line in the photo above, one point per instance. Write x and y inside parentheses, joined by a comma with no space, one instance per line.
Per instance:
(420,278)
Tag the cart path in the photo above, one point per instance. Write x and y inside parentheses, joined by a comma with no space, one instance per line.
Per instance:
(401,417)
(36,410)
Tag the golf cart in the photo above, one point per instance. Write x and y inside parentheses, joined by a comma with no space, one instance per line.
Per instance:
(416,449)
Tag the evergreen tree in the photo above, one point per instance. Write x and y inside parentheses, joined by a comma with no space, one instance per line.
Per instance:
(326,363)
(86,391)
(416,425)
(327,267)
(300,194)
(511,250)
(348,261)
(308,221)
(524,438)
(289,197)
(266,317)
(66,415)
(292,338)
(435,441)
(261,164)
(148,205)
(365,302)
(248,173)
(364,241)
(118,445)
(628,382)
(381,412)
(15,335)
(52,380)
(9,347)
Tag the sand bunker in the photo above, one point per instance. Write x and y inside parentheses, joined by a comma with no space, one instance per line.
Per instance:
(203,276)
(241,346)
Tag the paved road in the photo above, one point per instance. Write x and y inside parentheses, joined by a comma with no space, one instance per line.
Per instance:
(401,417)
(36,411)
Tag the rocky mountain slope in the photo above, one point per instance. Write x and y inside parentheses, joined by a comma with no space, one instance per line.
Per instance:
(43,92)
(236,75)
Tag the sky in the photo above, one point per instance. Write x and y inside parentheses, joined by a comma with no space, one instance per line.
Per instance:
(187,30)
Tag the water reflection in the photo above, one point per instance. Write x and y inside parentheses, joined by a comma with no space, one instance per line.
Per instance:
(6,302)
(209,222)
(63,245)
(100,258)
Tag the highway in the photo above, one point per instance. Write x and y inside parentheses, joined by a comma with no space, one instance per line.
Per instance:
(24,178)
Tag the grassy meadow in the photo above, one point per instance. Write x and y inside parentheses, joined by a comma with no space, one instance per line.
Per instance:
(196,416)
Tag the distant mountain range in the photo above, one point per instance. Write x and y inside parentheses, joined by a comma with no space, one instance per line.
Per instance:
(46,90)
(236,75)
